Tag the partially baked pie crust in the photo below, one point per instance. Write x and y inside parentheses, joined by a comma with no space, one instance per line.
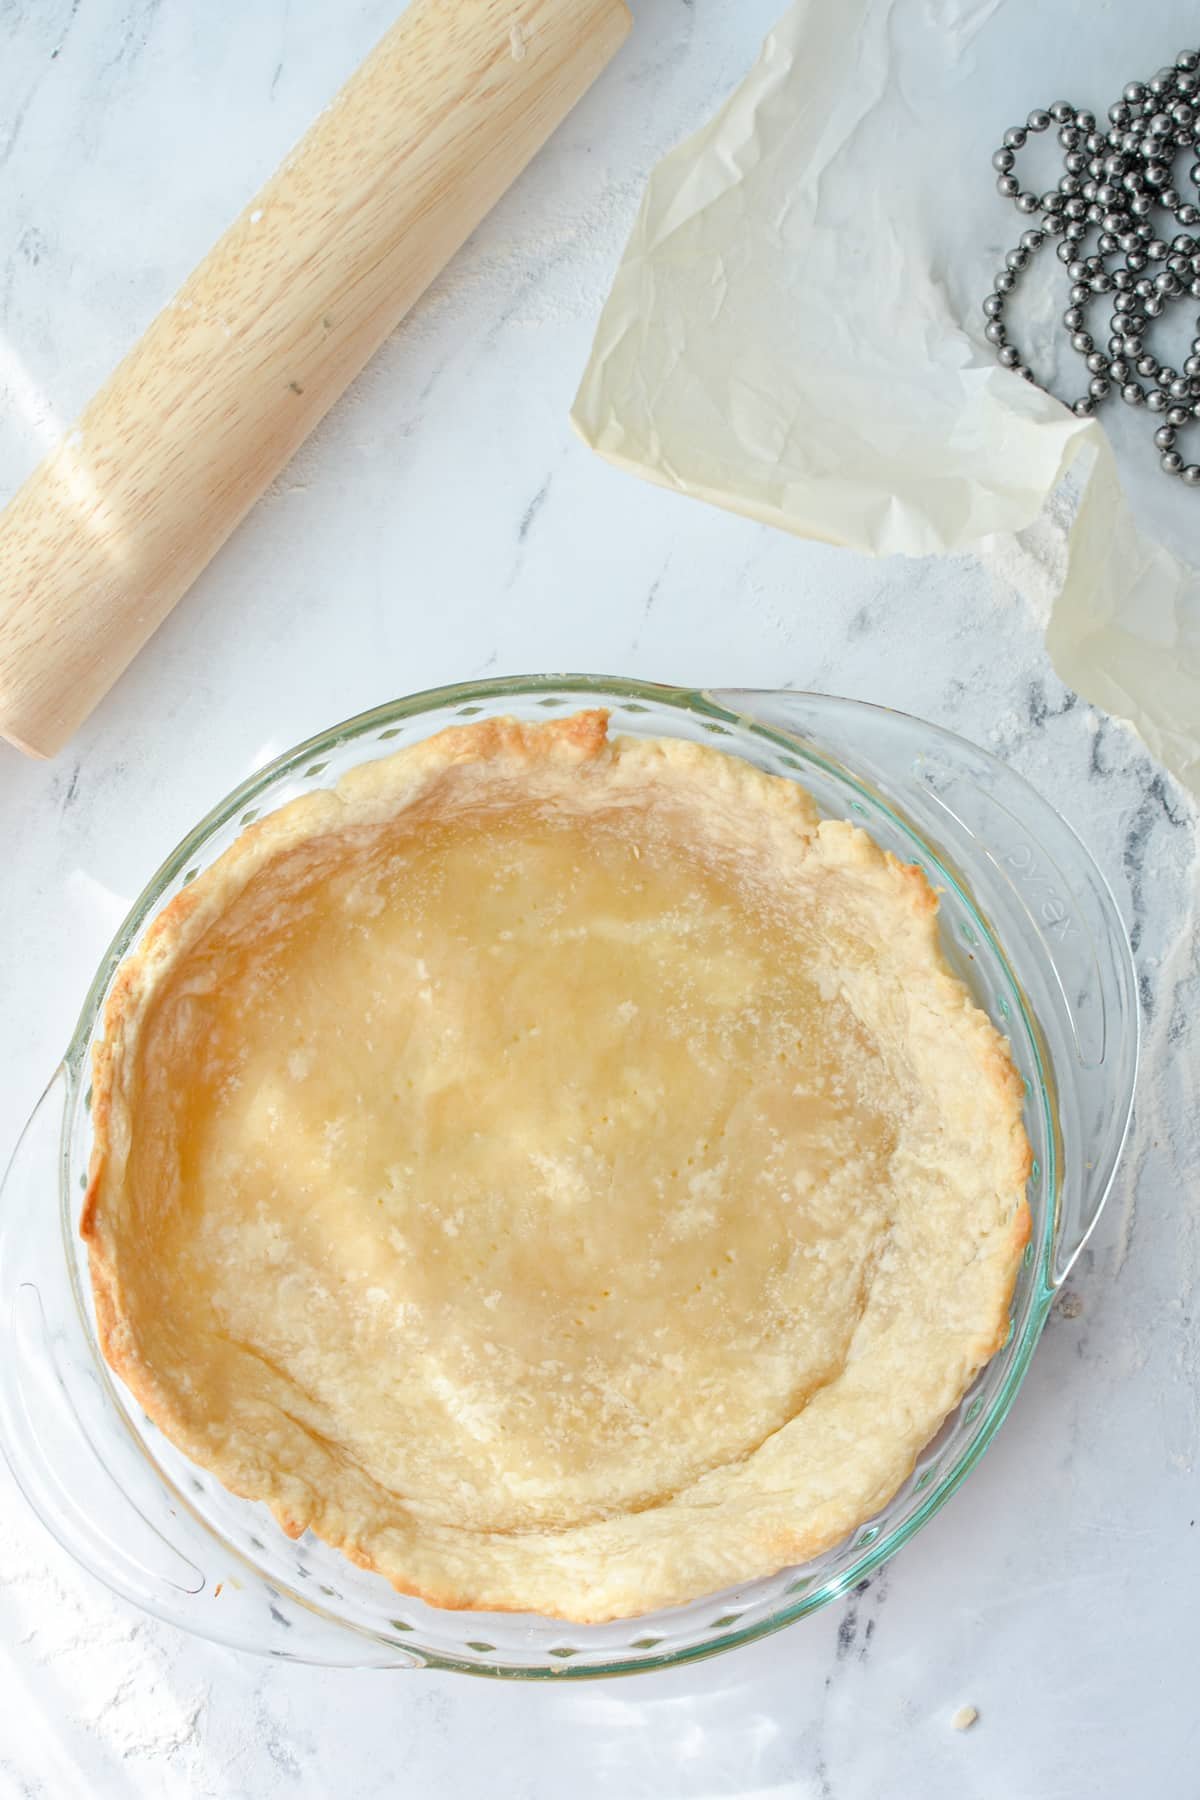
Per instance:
(562,1173)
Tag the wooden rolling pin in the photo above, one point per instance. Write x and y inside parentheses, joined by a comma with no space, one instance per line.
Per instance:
(279,318)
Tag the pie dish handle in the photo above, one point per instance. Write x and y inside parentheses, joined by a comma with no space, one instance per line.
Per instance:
(1034,885)
(48,1394)
(84,1474)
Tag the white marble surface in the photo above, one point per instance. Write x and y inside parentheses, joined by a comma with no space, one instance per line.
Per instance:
(444,522)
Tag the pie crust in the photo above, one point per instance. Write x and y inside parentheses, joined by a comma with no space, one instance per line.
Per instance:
(562,1173)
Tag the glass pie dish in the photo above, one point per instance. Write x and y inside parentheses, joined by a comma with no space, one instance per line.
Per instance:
(1026,920)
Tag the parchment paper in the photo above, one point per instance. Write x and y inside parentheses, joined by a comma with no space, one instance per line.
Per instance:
(795,333)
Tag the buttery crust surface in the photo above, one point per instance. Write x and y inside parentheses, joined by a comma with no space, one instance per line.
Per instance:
(562,1173)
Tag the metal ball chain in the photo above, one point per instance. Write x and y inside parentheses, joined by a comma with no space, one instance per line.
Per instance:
(1120,185)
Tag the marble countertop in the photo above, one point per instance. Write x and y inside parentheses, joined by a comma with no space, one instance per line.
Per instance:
(444,522)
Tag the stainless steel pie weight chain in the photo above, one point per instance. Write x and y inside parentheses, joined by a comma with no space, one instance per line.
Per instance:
(1118,184)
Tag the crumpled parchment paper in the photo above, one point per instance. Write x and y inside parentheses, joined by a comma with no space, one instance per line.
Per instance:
(795,329)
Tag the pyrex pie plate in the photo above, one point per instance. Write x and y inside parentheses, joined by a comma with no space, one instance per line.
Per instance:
(1026,920)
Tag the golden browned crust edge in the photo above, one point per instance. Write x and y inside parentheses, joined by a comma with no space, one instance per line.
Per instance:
(580,737)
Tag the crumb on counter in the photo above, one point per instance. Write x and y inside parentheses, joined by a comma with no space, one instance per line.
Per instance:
(964,1718)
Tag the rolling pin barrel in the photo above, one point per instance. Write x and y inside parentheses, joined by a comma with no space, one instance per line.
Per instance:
(279,318)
